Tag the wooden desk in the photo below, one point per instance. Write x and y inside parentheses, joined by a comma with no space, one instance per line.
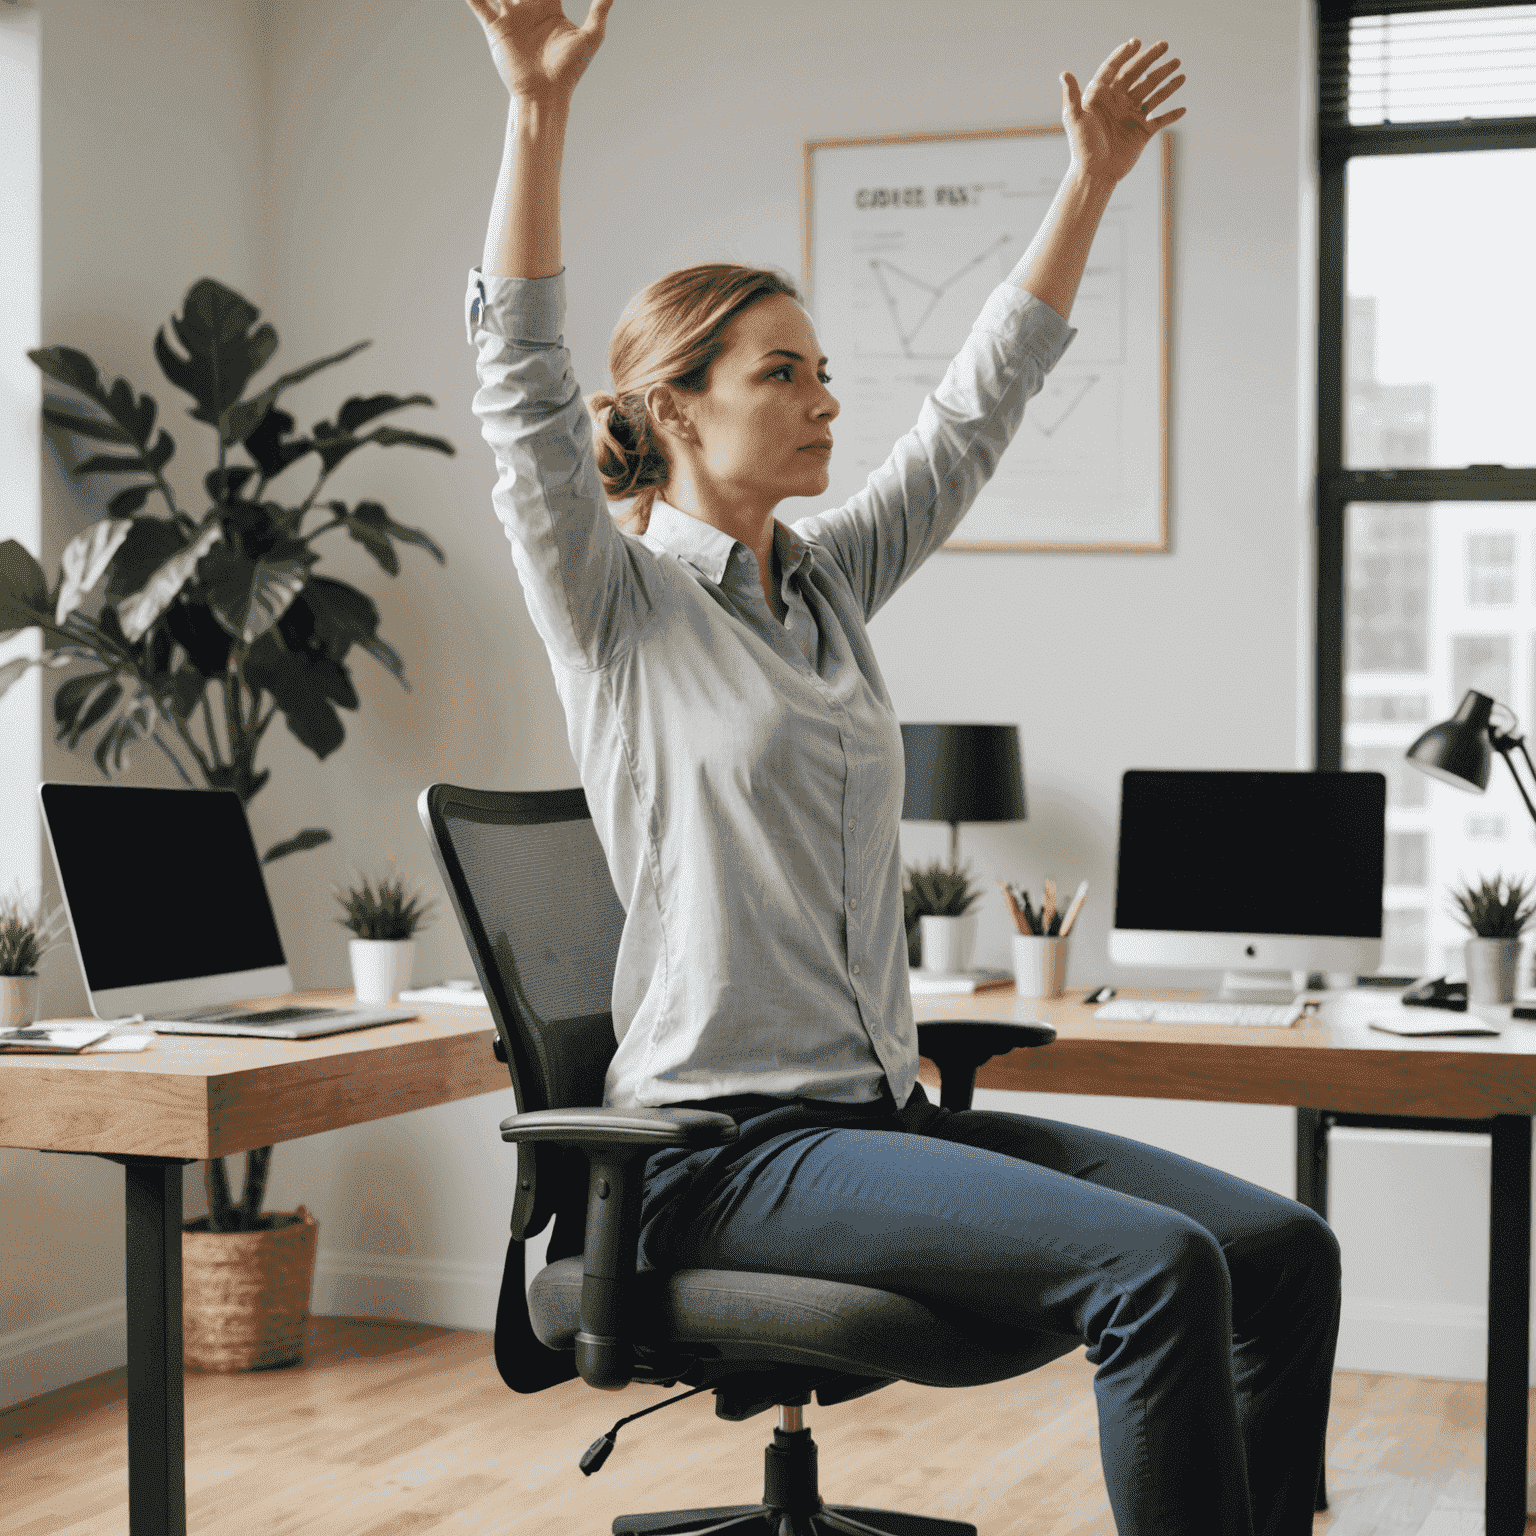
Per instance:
(190,1097)
(1336,1071)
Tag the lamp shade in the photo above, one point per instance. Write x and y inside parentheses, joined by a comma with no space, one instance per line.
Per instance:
(1457,751)
(961,773)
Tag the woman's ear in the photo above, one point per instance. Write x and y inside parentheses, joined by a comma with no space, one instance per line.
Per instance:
(668,413)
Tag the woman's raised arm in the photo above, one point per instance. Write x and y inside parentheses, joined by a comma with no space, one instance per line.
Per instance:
(540,56)
(1108,126)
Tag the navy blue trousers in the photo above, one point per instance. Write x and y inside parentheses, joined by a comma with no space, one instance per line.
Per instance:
(1209,1305)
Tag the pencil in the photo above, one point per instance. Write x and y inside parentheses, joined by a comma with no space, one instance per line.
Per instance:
(1048,906)
(1013,906)
(1074,909)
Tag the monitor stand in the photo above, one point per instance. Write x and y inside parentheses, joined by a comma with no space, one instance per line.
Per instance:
(1255,987)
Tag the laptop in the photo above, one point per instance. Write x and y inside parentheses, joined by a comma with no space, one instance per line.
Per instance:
(170,914)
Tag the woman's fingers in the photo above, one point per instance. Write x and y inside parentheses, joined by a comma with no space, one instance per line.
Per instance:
(1072,95)
(1159,97)
(1150,82)
(486,10)
(1132,71)
(1106,70)
(597,18)
(1168,117)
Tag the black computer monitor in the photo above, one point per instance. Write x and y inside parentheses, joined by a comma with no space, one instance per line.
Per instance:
(1250,872)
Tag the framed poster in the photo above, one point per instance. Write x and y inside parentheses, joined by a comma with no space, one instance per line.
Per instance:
(902,240)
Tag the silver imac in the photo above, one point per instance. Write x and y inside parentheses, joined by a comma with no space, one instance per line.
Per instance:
(1259,875)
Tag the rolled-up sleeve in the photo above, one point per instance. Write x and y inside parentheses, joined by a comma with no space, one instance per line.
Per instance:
(916,499)
(589,589)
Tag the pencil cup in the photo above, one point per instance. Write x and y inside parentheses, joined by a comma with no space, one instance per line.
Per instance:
(1039,965)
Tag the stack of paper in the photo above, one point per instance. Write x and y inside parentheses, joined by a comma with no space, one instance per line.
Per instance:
(466,994)
(956,983)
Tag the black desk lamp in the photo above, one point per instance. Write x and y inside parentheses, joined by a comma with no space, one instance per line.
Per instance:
(961,773)
(1459,751)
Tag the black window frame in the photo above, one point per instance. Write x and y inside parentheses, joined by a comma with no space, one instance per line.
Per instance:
(1339,142)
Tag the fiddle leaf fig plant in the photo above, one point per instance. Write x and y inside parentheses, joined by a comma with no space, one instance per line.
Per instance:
(194,632)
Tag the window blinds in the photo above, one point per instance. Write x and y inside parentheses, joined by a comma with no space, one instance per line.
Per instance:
(1417,65)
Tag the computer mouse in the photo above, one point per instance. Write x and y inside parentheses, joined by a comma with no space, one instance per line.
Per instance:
(1100,995)
(1437,992)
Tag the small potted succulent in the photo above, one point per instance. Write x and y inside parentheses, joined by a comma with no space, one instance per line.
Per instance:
(385,916)
(941,928)
(1495,911)
(27,933)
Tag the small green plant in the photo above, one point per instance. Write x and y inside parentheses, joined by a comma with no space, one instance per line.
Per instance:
(27,933)
(1496,907)
(934,890)
(383,909)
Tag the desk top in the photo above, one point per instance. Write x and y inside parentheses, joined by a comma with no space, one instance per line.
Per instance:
(200,1096)
(1329,1061)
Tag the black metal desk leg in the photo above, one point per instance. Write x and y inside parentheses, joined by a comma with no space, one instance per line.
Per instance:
(1312,1192)
(157,1497)
(1509,1322)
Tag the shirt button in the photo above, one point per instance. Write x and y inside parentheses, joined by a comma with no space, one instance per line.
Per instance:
(855,970)
(853,823)
(853,902)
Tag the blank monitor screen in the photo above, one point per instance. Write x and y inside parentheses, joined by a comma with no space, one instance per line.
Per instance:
(162,884)
(1238,852)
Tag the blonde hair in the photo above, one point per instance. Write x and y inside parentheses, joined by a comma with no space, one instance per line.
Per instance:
(670,333)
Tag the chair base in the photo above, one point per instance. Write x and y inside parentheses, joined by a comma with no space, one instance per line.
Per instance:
(791,1506)
(763,1520)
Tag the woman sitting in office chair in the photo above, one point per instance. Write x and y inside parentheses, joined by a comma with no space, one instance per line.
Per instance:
(744,769)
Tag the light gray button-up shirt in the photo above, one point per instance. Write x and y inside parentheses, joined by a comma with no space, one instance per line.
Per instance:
(745,776)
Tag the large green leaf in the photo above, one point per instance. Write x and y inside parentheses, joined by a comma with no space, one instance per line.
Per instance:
(151,541)
(360,410)
(72,367)
(375,530)
(249,596)
(335,444)
(343,616)
(267,447)
(310,837)
(128,500)
(306,688)
(239,421)
(187,685)
(85,560)
(206,641)
(149,463)
(23,589)
(61,415)
(224,346)
(138,612)
(13,672)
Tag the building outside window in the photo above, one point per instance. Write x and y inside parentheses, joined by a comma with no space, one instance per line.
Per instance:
(1426,430)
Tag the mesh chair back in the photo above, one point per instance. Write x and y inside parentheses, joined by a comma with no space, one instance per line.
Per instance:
(530,886)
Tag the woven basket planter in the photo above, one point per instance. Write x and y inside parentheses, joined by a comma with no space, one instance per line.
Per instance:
(245,1295)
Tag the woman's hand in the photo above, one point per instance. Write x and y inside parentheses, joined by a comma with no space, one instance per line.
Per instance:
(1108,125)
(538,53)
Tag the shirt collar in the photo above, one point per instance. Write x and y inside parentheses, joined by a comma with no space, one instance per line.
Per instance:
(707,548)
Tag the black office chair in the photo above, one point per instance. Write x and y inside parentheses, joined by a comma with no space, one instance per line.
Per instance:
(530,886)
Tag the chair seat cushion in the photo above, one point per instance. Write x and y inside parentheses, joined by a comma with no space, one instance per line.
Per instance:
(794,1320)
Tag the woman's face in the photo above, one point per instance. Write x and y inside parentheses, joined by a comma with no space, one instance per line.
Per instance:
(762,427)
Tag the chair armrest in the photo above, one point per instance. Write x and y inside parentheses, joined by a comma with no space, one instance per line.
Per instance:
(643,1129)
(957,1047)
(617,1142)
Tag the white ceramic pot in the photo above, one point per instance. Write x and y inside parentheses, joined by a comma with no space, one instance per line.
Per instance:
(380,967)
(1039,965)
(948,942)
(19,998)
(1492,967)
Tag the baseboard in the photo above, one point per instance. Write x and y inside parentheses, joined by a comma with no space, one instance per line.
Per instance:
(447,1293)
(46,1356)
(1446,1339)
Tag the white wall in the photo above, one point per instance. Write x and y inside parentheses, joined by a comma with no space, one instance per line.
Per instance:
(364,139)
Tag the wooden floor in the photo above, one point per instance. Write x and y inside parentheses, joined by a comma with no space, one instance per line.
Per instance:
(394,1428)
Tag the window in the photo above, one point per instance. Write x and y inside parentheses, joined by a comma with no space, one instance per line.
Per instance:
(1426,489)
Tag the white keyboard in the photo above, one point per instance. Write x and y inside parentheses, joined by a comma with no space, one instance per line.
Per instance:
(1126,1011)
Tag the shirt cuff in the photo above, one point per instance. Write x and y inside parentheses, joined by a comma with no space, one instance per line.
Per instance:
(1012,311)
(527,309)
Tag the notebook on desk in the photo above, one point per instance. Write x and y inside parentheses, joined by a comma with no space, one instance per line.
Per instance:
(170,915)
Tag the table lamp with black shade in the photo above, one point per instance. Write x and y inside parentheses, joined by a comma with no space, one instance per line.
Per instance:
(961,773)
(1459,752)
